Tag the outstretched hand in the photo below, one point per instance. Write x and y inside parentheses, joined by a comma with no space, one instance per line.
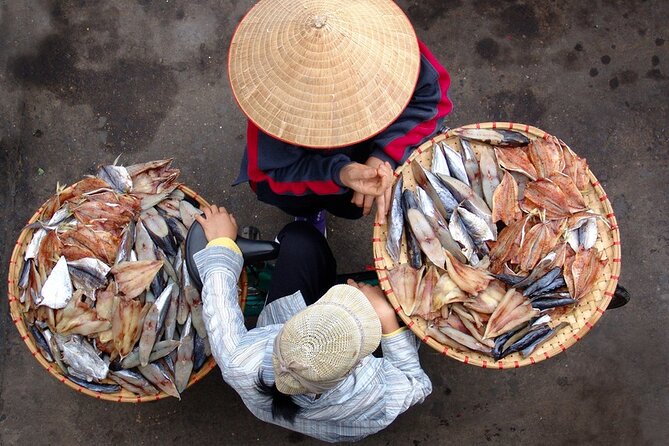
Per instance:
(217,222)
(380,304)
(382,200)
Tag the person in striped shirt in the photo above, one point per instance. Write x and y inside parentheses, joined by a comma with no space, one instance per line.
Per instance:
(346,173)
(308,365)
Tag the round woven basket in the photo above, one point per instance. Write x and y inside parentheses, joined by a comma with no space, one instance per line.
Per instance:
(123,396)
(581,318)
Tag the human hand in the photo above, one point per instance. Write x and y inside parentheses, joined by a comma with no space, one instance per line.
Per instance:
(382,201)
(217,222)
(380,304)
(364,179)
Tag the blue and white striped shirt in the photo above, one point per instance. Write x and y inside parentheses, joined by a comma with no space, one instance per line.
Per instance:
(368,400)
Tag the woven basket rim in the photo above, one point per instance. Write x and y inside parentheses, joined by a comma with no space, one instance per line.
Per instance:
(123,396)
(613,254)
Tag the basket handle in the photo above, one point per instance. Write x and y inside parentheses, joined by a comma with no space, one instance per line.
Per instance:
(620,298)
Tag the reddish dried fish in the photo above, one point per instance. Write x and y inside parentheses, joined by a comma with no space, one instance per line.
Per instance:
(546,195)
(133,278)
(126,323)
(546,156)
(539,241)
(575,201)
(582,272)
(107,211)
(404,281)
(513,310)
(79,318)
(507,245)
(505,201)
(575,167)
(82,242)
(516,159)
(49,251)
(471,280)
(153,178)
(88,184)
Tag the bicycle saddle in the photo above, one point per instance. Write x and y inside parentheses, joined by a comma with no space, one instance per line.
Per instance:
(252,250)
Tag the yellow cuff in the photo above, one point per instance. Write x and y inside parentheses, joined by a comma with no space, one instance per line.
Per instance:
(226,242)
(393,333)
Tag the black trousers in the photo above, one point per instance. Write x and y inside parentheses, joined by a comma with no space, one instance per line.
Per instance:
(305,263)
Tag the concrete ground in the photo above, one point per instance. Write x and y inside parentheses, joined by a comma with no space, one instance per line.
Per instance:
(83,81)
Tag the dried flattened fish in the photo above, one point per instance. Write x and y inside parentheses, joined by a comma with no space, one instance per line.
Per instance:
(513,310)
(495,137)
(516,159)
(133,278)
(505,201)
(546,156)
(469,279)
(404,281)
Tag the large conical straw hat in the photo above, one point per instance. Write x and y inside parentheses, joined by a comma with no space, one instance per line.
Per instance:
(323,73)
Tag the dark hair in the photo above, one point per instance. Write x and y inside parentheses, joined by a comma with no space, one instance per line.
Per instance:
(283,405)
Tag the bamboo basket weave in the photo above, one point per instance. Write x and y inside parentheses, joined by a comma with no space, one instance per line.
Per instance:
(581,318)
(123,396)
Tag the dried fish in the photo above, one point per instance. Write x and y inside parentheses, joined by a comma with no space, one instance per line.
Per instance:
(471,167)
(513,310)
(505,201)
(422,230)
(57,290)
(184,363)
(489,175)
(132,278)
(404,281)
(471,280)
(495,137)
(516,160)
(439,163)
(395,223)
(456,166)
(438,224)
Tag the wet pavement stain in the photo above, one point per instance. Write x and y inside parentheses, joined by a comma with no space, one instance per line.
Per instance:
(594,72)
(628,77)
(656,74)
(133,95)
(429,11)
(606,59)
(487,48)
(521,106)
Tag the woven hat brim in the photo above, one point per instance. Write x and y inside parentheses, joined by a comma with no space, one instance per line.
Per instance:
(328,86)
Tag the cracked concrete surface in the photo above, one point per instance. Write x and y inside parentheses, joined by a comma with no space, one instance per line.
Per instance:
(83,81)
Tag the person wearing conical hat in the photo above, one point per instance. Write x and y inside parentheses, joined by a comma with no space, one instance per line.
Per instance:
(309,365)
(337,94)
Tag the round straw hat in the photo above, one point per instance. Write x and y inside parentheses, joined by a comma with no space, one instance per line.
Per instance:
(321,344)
(323,73)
